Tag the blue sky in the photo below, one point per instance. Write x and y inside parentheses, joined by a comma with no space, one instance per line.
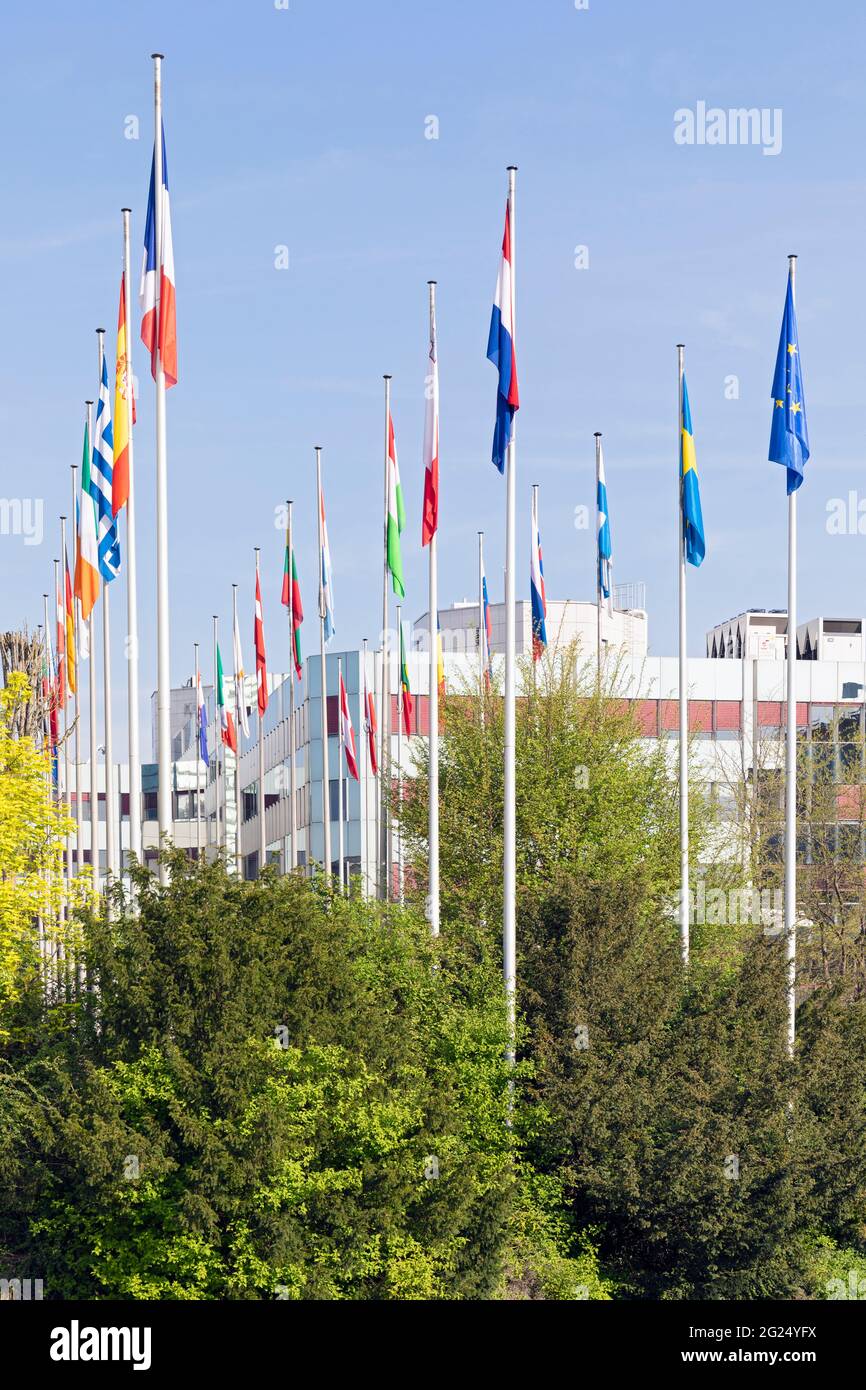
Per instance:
(306,128)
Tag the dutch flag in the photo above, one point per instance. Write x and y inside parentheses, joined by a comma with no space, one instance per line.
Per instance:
(501,351)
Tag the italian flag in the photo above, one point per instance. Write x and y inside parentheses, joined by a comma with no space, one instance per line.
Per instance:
(291,599)
(396,515)
(87,554)
(228,732)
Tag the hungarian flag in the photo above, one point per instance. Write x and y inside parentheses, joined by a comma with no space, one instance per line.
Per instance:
(60,621)
(259,640)
(228,733)
(406,694)
(347,733)
(396,516)
(370,726)
(71,663)
(240,693)
(124,407)
(87,551)
(430,514)
(156,291)
(291,599)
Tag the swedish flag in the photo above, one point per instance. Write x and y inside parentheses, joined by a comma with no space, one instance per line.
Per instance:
(690,492)
(789,437)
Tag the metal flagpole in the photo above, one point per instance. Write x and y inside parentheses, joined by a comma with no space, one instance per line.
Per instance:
(197,762)
(131,575)
(110,847)
(385,721)
(791,756)
(509,907)
(52,935)
(263,839)
(94,761)
(398,832)
(240,696)
(341,853)
(326,780)
(482,633)
(79,815)
(217,745)
(293,813)
(598,594)
(163,660)
(683,675)
(61,618)
(433,706)
(368,773)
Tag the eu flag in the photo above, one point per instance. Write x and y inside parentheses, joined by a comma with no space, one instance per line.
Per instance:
(789,437)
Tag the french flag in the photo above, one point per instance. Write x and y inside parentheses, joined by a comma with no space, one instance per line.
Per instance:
(536,583)
(156,291)
(501,351)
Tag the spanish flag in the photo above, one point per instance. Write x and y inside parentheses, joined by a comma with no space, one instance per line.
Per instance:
(693,521)
(124,411)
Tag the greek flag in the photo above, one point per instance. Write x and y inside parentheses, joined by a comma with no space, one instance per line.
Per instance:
(100,484)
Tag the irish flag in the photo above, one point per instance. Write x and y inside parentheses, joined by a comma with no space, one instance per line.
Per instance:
(396,515)
(87,553)
(228,733)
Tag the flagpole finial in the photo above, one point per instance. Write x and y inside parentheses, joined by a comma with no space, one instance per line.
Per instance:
(100,330)
(157,55)
(432,282)
(88,402)
(511,169)
(596,434)
(680,345)
(386,376)
(792,255)
(126,209)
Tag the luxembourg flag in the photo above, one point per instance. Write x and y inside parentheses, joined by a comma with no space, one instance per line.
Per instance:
(536,581)
(347,733)
(202,722)
(501,351)
(327,581)
(156,291)
(605,551)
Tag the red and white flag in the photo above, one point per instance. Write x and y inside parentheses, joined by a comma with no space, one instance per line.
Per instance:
(156,291)
(430,515)
(371,726)
(347,733)
(259,639)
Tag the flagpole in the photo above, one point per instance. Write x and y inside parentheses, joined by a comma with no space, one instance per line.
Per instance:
(341,849)
(385,722)
(197,763)
(79,816)
(791,755)
(509,913)
(263,839)
(683,678)
(293,833)
(67,696)
(52,935)
(326,781)
(368,772)
(221,832)
(94,779)
(163,659)
(598,593)
(433,705)
(398,832)
(135,844)
(110,847)
(240,696)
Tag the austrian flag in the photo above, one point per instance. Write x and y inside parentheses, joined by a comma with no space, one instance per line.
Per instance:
(347,733)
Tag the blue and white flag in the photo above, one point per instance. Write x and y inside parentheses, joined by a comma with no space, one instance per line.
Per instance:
(605,567)
(202,722)
(536,586)
(102,460)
